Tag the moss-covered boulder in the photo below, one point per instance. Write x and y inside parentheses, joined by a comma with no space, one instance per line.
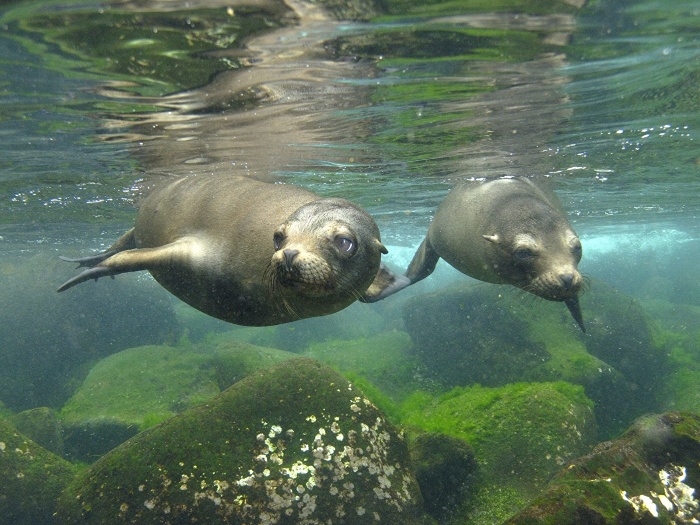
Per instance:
(137,388)
(31,478)
(522,433)
(385,360)
(42,426)
(647,476)
(446,471)
(292,444)
(233,360)
(51,339)
(132,390)
(476,333)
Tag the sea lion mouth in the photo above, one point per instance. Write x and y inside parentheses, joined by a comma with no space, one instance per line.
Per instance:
(311,279)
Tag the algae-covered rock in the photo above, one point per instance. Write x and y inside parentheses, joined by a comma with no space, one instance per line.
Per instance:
(521,433)
(49,338)
(649,476)
(41,425)
(479,334)
(385,360)
(234,360)
(31,478)
(132,390)
(292,444)
(468,335)
(446,471)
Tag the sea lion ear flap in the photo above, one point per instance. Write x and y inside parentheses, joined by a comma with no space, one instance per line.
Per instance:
(492,238)
(380,246)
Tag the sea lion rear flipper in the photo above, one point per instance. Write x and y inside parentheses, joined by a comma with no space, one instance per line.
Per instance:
(385,283)
(125,242)
(130,261)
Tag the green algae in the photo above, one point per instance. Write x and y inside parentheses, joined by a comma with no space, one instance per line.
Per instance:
(152,381)
(521,432)
(383,360)
(292,444)
(31,479)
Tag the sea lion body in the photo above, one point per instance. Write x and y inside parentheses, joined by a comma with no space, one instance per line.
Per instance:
(250,252)
(505,231)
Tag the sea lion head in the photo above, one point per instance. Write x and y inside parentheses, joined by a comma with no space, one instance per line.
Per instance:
(539,252)
(326,248)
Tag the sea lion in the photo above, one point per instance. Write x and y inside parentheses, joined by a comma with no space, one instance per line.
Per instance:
(250,252)
(506,231)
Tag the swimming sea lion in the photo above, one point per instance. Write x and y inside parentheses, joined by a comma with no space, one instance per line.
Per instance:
(250,252)
(505,231)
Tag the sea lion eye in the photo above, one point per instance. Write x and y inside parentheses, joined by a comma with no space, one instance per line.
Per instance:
(345,245)
(577,251)
(523,254)
(277,240)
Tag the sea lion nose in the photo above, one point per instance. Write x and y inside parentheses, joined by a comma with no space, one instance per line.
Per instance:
(289,256)
(567,279)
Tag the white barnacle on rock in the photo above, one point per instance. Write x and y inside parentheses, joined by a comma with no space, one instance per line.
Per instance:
(641,504)
(311,418)
(2,446)
(149,504)
(679,495)
(247,481)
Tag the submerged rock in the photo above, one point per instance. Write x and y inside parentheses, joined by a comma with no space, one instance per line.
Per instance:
(42,426)
(385,360)
(521,433)
(137,388)
(649,475)
(490,335)
(31,478)
(130,391)
(446,470)
(293,444)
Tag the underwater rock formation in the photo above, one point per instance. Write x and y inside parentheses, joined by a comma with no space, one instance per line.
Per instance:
(137,388)
(649,475)
(293,444)
(521,433)
(31,478)
(446,470)
(477,334)
(42,426)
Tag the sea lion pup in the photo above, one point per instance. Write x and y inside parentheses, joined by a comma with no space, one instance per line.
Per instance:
(250,252)
(506,231)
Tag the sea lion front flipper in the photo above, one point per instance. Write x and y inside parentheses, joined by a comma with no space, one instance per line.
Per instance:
(423,263)
(132,261)
(385,283)
(575,309)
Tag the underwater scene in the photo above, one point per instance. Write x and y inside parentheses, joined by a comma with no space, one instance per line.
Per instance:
(353,262)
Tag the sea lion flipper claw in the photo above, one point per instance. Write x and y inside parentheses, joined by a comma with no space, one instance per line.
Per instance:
(91,273)
(386,283)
